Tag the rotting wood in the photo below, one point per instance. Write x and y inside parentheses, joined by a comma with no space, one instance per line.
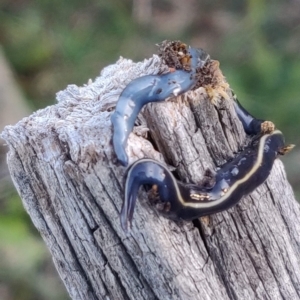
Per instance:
(63,166)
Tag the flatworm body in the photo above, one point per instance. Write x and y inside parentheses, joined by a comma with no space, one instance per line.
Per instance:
(146,89)
(234,180)
(251,125)
(174,199)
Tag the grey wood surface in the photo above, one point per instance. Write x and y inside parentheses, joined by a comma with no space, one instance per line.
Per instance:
(64,168)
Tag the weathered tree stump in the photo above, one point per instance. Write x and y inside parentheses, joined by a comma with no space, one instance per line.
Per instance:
(63,166)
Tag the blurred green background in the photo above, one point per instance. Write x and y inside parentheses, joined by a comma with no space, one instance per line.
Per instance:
(50,44)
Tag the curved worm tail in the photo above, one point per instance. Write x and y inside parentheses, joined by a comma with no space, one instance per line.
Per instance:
(126,214)
(144,171)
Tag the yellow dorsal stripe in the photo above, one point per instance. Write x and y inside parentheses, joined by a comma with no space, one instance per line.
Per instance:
(230,190)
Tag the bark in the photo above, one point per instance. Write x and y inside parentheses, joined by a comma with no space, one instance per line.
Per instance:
(63,166)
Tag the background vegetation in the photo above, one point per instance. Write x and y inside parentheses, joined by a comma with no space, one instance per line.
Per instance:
(50,44)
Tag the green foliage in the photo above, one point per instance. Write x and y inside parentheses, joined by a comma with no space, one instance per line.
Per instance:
(48,42)
(260,67)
